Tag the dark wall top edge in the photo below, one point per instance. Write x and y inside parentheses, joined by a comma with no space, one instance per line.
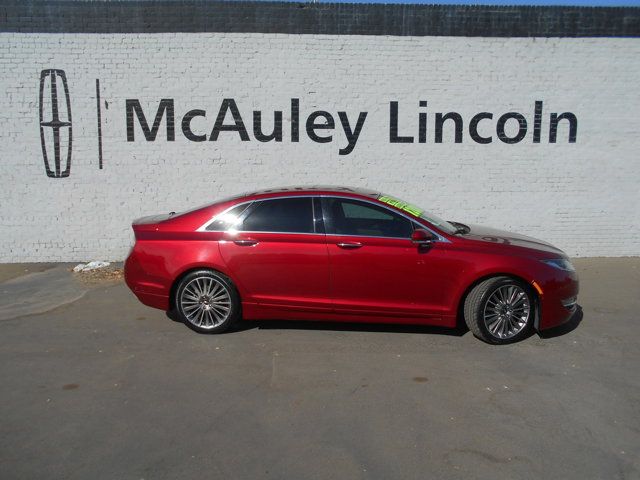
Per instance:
(136,16)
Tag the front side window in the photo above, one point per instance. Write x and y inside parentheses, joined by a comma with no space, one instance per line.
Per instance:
(285,215)
(353,217)
(419,212)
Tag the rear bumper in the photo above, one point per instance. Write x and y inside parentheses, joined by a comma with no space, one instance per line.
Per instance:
(155,301)
(149,290)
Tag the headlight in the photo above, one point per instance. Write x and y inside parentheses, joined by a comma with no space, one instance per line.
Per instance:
(561,264)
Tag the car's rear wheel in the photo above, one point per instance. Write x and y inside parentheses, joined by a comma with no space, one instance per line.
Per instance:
(207,301)
(500,310)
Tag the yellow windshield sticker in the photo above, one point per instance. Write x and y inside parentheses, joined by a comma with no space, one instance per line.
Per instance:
(407,207)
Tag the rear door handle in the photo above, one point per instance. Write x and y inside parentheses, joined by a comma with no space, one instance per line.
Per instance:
(349,245)
(246,243)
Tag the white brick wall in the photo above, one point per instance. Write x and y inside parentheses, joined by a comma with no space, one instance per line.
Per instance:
(583,197)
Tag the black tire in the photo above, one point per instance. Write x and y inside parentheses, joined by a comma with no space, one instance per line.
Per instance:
(476,302)
(211,314)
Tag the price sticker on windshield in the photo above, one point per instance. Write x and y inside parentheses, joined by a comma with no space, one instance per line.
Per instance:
(407,207)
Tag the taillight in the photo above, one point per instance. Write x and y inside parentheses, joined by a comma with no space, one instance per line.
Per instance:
(132,241)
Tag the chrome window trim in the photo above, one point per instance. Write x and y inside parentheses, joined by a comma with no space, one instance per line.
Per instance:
(275,233)
(203,228)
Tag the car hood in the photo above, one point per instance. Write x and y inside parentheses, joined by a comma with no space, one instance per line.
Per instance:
(493,235)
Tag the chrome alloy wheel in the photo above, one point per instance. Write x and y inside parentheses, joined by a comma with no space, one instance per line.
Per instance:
(507,311)
(205,302)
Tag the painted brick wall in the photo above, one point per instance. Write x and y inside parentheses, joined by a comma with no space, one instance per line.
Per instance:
(581,196)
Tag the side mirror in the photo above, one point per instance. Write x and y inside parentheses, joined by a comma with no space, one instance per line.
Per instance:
(422,237)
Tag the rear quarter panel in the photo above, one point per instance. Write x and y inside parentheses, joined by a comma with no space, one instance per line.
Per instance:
(158,262)
(164,251)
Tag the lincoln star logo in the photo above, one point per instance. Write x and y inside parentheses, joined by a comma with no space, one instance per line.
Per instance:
(55,123)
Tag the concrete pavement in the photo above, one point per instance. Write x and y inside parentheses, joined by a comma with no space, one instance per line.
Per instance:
(38,290)
(104,387)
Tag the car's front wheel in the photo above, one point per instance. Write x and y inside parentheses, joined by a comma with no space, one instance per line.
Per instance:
(207,301)
(500,310)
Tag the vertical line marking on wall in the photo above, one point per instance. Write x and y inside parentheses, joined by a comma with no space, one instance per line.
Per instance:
(99,123)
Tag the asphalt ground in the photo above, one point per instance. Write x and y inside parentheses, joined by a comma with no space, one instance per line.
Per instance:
(102,387)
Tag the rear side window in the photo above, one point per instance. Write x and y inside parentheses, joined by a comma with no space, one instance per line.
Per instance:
(353,217)
(286,215)
(229,219)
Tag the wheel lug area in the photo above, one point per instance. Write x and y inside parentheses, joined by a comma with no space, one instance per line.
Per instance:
(205,302)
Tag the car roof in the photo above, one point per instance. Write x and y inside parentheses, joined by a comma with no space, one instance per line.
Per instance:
(283,191)
(331,189)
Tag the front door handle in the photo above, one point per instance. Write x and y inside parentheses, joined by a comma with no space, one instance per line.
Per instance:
(349,245)
(246,243)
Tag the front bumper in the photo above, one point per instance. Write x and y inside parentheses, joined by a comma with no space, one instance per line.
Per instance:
(558,301)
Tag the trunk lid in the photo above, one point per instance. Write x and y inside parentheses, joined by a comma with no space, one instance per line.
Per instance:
(152,219)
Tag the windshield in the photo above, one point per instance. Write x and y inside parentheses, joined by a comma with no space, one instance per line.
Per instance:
(420,213)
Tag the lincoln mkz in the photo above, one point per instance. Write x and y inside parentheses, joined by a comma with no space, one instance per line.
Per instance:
(346,255)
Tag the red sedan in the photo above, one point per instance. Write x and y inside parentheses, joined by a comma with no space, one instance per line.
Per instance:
(346,255)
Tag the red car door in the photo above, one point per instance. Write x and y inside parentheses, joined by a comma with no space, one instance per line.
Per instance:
(277,254)
(375,268)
